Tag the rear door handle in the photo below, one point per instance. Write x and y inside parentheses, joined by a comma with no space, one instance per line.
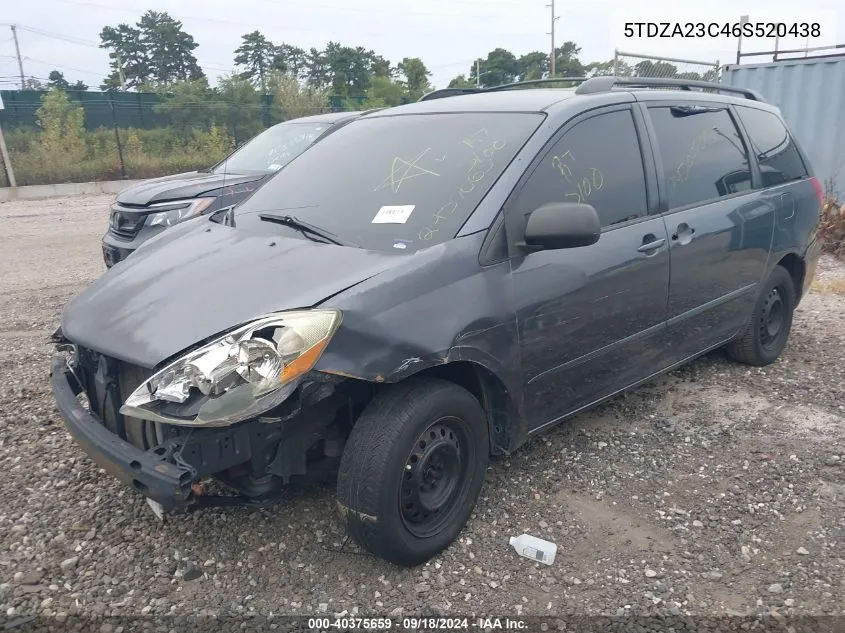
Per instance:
(650,246)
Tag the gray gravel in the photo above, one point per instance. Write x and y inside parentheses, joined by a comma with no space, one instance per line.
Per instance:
(717,489)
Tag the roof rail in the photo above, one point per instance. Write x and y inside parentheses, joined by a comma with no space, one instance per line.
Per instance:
(448,92)
(604,84)
(452,92)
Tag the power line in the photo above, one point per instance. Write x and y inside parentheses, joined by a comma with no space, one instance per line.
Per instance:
(264,25)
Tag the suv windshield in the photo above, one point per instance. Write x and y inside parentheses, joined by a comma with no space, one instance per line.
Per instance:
(394,182)
(273,148)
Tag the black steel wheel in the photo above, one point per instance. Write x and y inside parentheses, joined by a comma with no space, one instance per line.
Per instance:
(412,469)
(767,332)
(437,464)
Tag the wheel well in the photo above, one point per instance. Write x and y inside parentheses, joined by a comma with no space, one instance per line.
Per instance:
(490,391)
(794,265)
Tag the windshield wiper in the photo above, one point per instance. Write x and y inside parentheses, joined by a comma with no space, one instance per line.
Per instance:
(305,228)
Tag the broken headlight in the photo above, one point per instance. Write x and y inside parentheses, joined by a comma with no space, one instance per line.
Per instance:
(237,376)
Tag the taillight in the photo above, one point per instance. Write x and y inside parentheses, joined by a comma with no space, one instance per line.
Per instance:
(818,187)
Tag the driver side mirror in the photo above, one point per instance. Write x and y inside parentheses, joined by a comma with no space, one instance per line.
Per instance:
(562,225)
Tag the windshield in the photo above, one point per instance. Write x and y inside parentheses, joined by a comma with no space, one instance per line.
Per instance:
(274,148)
(394,182)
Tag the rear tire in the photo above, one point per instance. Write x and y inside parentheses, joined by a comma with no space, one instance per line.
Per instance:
(767,332)
(412,469)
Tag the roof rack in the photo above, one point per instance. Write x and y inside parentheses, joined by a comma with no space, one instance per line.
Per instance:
(452,92)
(604,84)
(593,85)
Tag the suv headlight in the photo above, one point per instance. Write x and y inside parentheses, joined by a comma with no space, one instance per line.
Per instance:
(239,375)
(177,211)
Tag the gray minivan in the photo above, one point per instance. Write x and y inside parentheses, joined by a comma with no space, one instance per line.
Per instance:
(433,284)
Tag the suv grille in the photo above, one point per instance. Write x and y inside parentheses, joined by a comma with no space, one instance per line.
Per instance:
(126,221)
(107,383)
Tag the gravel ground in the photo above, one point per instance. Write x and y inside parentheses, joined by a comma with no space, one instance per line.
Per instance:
(717,489)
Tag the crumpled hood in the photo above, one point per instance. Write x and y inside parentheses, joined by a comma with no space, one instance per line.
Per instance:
(179,186)
(176,292)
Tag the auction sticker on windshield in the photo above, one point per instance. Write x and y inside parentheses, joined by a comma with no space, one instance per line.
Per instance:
(393,214)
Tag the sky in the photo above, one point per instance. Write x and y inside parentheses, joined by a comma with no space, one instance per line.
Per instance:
(446,34)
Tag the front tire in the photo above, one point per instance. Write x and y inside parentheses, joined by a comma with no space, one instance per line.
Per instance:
(412,469)
(767,332)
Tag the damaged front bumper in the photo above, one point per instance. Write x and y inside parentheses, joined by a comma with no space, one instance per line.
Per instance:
(148,472)
(253,459)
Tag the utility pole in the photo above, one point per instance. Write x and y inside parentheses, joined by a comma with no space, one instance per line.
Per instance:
(120,71)
(552,33)
(18,51)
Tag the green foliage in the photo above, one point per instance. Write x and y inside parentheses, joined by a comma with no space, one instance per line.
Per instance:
(62,137)
(291,60)
(500,67)
(146,154)
(384,92)
(293,100)
(533,66)
(461,81)
(156,50)
(567,63)
(257,55)
(416,77)
(238,108)
(57,80)
(187,104)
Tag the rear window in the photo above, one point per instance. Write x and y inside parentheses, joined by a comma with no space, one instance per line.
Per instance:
(773,145)
(394,183)
(703,155)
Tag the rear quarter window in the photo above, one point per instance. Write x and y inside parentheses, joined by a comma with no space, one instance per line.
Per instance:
(773,145)
(703,154)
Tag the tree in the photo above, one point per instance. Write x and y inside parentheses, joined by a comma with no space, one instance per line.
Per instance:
(62,138)
(154,51)
(384,93)
(292,100)
(647,68)
(599,69)
(238,107)
(416,76)
(170,48)
(533,66)
(500,67)
(291,60)
(57,80)
(316,68)
(32,83)
(258,55)
(461,81)
(567,63)
(129,59)
(349,69)
(187,104)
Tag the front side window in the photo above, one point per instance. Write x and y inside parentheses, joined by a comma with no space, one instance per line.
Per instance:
(702,152)
(597,162)
(394,183)
(775,150)
(273,148)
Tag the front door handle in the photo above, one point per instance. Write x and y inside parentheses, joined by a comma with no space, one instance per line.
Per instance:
(651,245)
(683,234)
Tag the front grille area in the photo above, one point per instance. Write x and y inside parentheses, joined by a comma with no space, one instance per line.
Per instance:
(125,222)
(107,383)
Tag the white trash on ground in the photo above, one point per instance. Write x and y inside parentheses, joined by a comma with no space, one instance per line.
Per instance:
(534,548)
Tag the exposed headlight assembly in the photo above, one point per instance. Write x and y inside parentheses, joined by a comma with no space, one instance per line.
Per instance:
(237,376)
(177,211)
